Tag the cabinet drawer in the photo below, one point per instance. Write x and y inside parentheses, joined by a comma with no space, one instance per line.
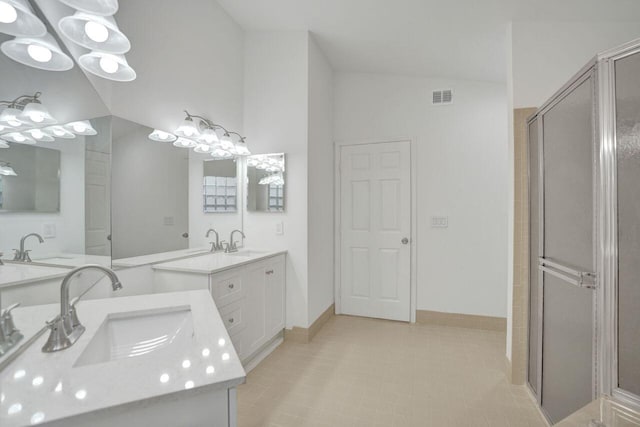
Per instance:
(233,317)
(226,288)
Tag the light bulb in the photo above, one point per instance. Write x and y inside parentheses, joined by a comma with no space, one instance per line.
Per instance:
(58,131)
(8,14)
(163,135)
(19,138)
(39,53)
(37,134)
(13,121)
(108,64)
(79,127)
(96,31)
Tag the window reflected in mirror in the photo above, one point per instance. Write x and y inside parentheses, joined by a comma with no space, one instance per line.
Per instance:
(220,186)
(265,183)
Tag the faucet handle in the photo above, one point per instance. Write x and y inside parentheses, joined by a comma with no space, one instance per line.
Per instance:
(224,245)
(7,320)
(16,254)
(213,246)
(26,257)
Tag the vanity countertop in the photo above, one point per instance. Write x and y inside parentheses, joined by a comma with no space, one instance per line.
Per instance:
(137,261)
(40,387)
(19,273)
(71,260)
(216,262)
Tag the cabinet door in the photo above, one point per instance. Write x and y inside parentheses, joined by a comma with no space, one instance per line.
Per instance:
(275,294)
(256,332)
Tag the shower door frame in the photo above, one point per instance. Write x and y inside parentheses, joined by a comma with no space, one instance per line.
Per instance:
(589,71)
(607,293)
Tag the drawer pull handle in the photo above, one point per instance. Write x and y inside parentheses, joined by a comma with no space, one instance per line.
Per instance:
(230,285)
(269,272)
(231,320)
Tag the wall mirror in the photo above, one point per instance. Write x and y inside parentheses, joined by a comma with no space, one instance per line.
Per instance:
(30,179)
(55,155)
(266,183)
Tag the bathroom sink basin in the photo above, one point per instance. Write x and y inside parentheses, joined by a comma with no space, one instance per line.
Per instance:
(247,253)
(139,333)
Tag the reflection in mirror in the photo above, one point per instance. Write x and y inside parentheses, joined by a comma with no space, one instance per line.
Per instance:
(32,184)
(265,183)
(220,186)
(150,193)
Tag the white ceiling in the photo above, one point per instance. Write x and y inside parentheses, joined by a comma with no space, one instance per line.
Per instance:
(439,38)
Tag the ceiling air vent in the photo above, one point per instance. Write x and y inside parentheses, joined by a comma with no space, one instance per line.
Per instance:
(442,97)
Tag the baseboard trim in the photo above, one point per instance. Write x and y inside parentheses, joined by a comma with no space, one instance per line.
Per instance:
(470,321)
(305,335)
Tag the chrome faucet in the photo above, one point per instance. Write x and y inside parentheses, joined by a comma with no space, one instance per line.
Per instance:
(21,254)
(231,246)
(9,334)
(217,245)
(66,328)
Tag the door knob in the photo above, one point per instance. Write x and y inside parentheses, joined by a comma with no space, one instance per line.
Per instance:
(405,240)
(185,235)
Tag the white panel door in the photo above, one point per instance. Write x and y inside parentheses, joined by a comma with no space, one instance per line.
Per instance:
(375,254)
(97,203)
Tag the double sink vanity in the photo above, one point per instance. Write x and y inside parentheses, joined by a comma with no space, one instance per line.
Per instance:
(179,350)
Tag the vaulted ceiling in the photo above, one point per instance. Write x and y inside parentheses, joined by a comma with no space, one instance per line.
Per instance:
(454,38)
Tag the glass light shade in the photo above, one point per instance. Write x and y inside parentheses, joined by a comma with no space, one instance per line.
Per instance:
(17,19)
(108,66)
(161,136)
(188,129)
(241,149)
(19,138)
(39,135)
(94,32)
(10,117)
(82,127)
(225,142)
(97,7)
(185,143)
(221,154)
(208,136)
(203,149)
(35,113)
(43,53)
(3,144)
(59,132)
(7,170)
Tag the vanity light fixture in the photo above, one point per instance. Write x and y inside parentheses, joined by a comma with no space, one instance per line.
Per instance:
(9,117)
(43,53)
(95,32)
(97,7)
(6,169)
(59,132)
(39,135)
(17,18)
(162,136)
(19,138)
(82,127)
(108,66)
(201,134)
(25,110)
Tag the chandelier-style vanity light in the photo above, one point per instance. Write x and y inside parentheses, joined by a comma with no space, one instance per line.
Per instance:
(32,45)
(93,27)
(202,135)
(26,121)
(6,169)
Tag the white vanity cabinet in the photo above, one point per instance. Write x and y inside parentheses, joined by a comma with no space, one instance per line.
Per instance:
(250,297)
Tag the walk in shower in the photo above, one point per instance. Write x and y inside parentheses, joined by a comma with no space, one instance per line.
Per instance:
(584,216)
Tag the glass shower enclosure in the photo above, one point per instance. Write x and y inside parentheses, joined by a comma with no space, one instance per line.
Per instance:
(584,210)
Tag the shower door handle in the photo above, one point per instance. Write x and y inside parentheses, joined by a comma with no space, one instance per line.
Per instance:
(581,279)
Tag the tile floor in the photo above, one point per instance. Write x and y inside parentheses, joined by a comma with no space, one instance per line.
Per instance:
(366,372)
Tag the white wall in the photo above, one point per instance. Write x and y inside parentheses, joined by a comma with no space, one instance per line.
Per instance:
(461,173)
(275,121)
(187,56)
(547,54)
(320,183)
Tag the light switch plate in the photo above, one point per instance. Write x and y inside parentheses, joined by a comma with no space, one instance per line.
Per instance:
(49,231)
(439,222)
(280,228)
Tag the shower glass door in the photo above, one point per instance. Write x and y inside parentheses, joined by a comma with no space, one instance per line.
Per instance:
(568,261)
